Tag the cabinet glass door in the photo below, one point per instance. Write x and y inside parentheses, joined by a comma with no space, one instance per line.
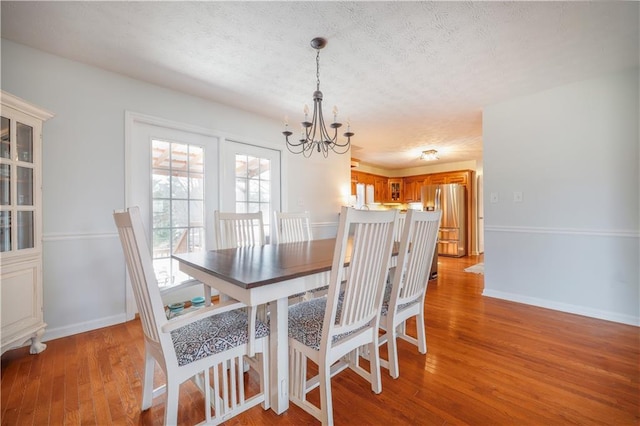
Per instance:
(17,186)
(5,140)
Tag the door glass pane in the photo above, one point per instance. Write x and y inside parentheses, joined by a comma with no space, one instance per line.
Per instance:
(25,229)
(5,179)
(5,231)
(25,186)
(196,159)
(5,138)
(24,142)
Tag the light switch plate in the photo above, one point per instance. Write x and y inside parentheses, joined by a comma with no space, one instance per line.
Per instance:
(517,196)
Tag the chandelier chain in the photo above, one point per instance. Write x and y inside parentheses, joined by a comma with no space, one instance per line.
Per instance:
(318,70)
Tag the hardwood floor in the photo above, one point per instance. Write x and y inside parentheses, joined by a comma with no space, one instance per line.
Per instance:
(489,362)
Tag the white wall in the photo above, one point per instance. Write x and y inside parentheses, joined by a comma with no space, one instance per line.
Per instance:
(572,244)
(83,175)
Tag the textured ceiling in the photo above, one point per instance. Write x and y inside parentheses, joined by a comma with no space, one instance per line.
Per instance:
(410,76)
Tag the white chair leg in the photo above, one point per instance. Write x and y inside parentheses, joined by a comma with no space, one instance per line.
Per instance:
(422,334)
(392,349)
(374,365)
(326,404)
(147,381)
(171,403)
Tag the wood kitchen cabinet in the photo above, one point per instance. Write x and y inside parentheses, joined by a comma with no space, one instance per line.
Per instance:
(395,193)
(413,188)
(380,189)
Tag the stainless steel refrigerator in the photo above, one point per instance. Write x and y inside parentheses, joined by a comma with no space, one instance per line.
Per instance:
(450,198)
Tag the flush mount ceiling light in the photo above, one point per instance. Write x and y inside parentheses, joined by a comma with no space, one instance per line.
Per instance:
(429,155)
(314,135)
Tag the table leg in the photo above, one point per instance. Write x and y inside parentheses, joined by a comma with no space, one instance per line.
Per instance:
(279,350)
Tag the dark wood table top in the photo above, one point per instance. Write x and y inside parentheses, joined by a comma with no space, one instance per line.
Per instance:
(255,266)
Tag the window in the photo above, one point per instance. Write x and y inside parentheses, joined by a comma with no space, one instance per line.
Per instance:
(177,206)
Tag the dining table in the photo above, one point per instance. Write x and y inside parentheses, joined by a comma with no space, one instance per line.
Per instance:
(269,273)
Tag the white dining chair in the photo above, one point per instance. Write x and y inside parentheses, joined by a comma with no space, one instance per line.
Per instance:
(400,226)
(330,330)
(238,229)
(404,297)
(292,227)
(205,344)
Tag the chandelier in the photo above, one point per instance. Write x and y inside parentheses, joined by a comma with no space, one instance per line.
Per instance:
(314,135)
(429,155)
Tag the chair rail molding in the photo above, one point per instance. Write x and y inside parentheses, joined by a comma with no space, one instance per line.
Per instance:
(564,231)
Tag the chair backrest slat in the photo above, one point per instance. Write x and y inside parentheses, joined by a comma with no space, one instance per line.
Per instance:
(371,244)
(417,247)
(292,227)
(238,229)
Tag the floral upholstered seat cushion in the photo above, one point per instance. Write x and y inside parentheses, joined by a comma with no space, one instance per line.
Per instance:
(213,334)
(387,298)
(306,318)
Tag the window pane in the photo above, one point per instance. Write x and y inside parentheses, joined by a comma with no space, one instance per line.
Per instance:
(241,165)
(265,191)
(196,239)
(180,213)
(265,169)
(160,152)
(161,243)
(196,186)
(254,190)
(253,165)
(196,213)
(196,159)
(161,184)
(179,157)
(179,186)
(179,240)
(241,190)
(161,214)
(253,207)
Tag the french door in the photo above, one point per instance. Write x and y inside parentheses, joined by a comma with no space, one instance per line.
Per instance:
(251,181)
(172,176)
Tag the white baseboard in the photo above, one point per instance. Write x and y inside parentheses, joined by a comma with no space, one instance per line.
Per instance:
(564,307)
(69,330)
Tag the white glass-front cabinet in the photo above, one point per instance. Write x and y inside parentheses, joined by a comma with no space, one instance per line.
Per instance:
(21,223)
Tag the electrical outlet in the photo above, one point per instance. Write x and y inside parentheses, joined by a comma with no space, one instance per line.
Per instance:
(517,196)
(493,197)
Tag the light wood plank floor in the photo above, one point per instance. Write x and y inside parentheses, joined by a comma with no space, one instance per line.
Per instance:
(490,362)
